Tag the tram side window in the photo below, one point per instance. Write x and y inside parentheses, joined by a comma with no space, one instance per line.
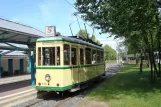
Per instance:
(52,56)
(94,57)
(39,56)
(98,56)
(66,54)
(58,55)
(88,56)
(81,57)
(74,56)
(101,56)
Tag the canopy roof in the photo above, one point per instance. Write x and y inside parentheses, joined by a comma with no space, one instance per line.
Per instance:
(13,32)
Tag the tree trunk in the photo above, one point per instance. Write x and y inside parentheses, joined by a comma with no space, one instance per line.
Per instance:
(150,50)
(153,60)
(147,58)
(159,57)
(135,57)
(141,62)
(159,63)
(151,66)
(155,69)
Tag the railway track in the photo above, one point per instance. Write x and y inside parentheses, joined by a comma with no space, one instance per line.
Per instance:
(61,101)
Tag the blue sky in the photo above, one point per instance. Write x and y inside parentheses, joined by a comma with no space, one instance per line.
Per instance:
(41,13)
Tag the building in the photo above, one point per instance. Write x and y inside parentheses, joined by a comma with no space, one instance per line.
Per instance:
(14,63)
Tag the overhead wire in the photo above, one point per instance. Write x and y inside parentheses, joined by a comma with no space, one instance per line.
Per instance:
(77,14)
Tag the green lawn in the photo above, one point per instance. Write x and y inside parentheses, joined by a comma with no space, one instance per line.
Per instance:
(129,89)
(111,61)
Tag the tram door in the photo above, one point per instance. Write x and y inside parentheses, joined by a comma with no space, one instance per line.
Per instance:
(74,61)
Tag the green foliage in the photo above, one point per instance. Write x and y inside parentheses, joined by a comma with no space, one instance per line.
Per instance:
(111,61)
(110,54)
(93,38)
(83,34)
(129,89)
(120,17)
(98,42)
(138,21)
(86,36)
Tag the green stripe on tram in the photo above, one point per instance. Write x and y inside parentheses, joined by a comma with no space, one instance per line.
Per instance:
(65,67)
(43,88)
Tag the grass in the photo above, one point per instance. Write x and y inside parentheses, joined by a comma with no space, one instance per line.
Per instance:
(129,89)
(111,61)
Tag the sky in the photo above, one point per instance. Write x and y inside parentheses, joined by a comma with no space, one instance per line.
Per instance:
(41,13)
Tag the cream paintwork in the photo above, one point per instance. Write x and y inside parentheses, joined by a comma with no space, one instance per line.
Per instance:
(66,77)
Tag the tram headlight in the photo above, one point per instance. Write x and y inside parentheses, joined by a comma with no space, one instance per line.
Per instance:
(47,77)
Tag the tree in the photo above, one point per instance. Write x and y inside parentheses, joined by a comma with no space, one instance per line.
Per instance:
(83,34)
(93,38)
(110,54)
(125,18)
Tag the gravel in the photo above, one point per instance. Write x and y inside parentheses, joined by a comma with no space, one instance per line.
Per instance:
(73,102)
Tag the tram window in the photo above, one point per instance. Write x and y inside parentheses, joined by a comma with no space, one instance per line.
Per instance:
(81,57)
(98,56)
(39,56)
(66,54)
(52,56)
(88,56)
(74,56)
(45,56)
(48,55)
(58,55)
(94,58)
(101,56)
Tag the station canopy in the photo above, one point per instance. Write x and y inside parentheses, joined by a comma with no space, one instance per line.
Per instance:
(15,33)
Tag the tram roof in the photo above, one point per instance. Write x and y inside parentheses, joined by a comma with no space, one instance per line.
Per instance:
(68,39)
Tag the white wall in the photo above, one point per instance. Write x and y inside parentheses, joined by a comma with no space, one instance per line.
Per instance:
(16,63)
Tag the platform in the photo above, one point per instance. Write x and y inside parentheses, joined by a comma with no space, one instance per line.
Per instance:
(16,89)
(10,96)
(12,79)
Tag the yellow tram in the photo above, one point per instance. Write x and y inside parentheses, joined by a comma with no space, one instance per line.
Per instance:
(67,63)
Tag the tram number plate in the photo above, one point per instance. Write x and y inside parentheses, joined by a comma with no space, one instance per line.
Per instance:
(44,83)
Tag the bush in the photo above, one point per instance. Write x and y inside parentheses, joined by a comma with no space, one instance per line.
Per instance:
(5,73)
(17,72)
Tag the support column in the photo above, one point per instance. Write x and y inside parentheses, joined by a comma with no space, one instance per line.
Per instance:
(0,66)
(29,63)
(32,62)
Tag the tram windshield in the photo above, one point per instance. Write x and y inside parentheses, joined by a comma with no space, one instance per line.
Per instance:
(50,56)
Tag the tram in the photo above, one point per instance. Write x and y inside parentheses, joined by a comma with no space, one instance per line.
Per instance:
(67,63)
